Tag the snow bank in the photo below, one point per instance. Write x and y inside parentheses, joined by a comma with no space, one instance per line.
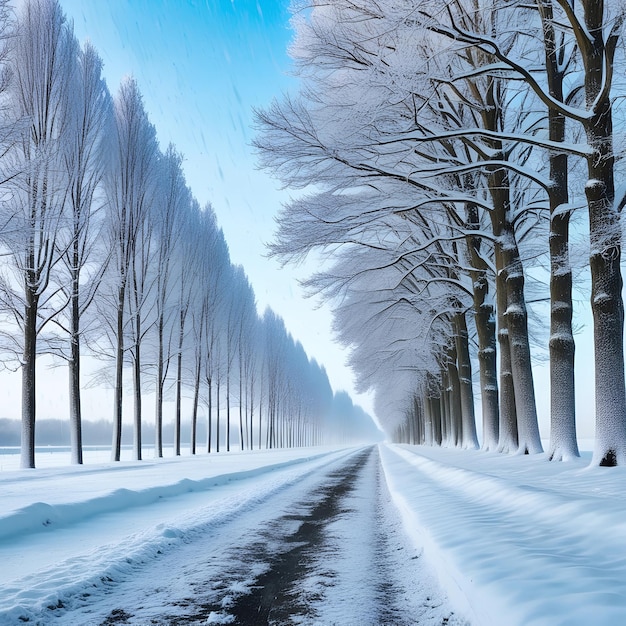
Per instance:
(79,495)
(64,532)
(517,540)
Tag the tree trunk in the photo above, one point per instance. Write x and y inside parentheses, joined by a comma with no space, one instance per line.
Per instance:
(454,400)
(228,410)
(217,417)
(435,412)
(484,320)
(563,443)
(158,412)
(194,408)
(529,441)
(518,394)
(606,246)
(446,434)
(76,440)
(179,389)
(210,417)
(261,414)
(27,459)
(241,439)
(507,427)
(469,440)
(119,378)
(137,416)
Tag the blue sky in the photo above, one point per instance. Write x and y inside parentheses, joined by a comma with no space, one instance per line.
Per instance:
(202,65)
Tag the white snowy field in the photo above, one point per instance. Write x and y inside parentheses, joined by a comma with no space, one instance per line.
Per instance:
(514,540)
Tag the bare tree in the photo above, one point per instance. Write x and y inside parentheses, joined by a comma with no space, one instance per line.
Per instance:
(129,186)
(171,211)
(43,62)
(84,159)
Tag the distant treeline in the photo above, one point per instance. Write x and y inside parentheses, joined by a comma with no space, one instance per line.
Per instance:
(56,432)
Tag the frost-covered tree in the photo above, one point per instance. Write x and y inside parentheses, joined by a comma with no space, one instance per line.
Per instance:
(591,30)
(171,211)
(130,185)
(186,294)
(43,62)
(84,260)
(323,140)
(246,327)
(210,262)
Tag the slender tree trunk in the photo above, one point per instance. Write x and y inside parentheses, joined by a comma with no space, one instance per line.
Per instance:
(217,417)
(251,440)
(119,377)
(27,459)
(158,413)
(241,439)
(196,401)
(210,418)
(454,386)
(76,440)
(446,435)
(179,387)
(137,404)
(228,410)
(260,417)
(435,404)
(429,427)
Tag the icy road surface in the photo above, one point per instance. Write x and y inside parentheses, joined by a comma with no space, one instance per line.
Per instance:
(312,540)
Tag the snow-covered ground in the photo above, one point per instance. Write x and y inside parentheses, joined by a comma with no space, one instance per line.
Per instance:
(396,535)
(187,540)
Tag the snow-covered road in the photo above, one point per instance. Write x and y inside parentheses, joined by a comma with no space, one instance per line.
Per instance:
(389,534)
(288,538)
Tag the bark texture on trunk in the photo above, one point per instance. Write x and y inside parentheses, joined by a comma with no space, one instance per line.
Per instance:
(137,410)
(507,427)
(529,441)
(606,245)
(27,457)
(484,320)
(116,446)
(469,438)
(563,443)
(76,438)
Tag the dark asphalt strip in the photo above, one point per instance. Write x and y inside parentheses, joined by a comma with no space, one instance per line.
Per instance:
(274,598)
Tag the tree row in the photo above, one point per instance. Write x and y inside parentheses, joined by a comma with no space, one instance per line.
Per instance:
(107,254)
(442,150)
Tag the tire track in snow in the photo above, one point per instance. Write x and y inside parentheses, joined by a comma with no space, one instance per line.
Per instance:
(44,597)
(328,549)
(337,557)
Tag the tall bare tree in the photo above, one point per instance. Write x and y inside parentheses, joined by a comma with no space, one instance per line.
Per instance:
(43,62)
(84,158)
(130,184)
